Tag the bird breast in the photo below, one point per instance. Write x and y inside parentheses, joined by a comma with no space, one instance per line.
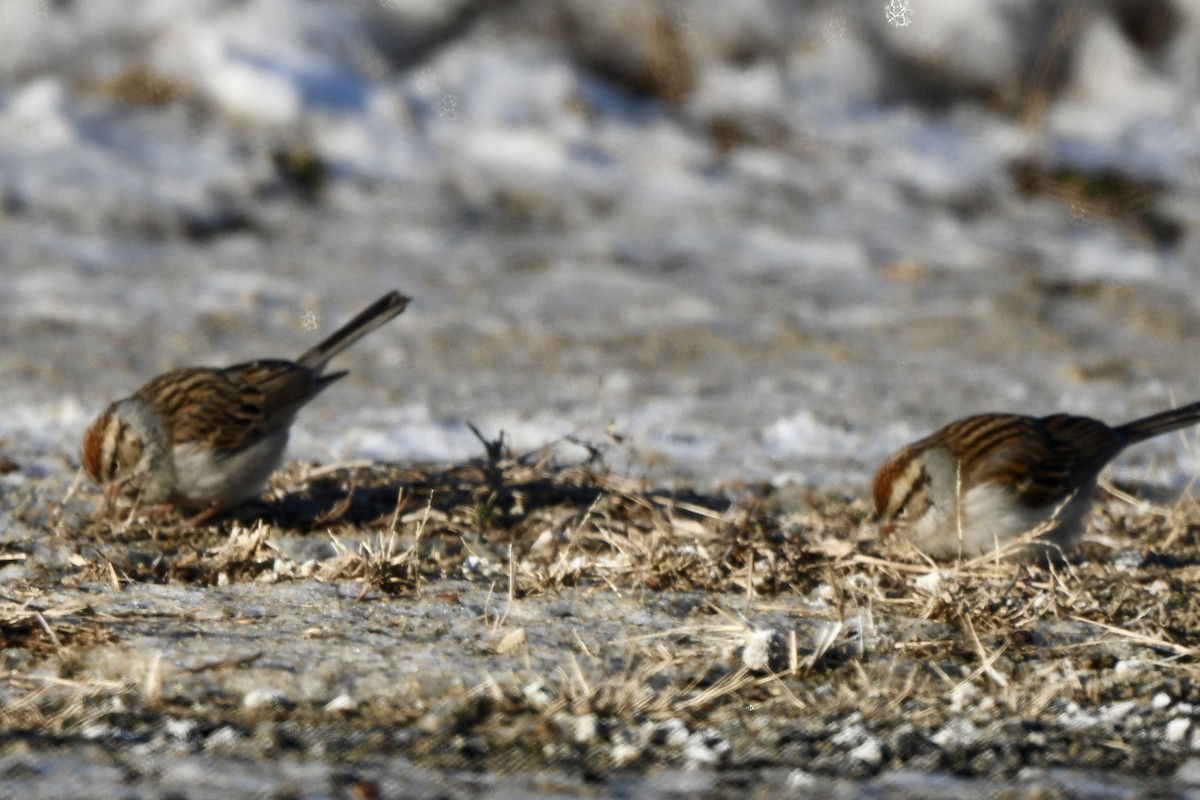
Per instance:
(205,477)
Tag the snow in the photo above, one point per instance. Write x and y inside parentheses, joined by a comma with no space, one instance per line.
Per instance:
(853,267)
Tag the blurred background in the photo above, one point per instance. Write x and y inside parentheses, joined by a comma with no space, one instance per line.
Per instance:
(769,240)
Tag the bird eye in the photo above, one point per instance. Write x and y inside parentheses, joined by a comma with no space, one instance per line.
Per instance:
(900,513)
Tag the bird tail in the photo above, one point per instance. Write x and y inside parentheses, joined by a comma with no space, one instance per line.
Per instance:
(367,320)
(1162,422)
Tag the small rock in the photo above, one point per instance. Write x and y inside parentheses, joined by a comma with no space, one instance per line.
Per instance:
(799,779)
(510,641)
(930,582)
(586,728)
(869,752)
(962,696)
(96,730)
(1127,559)
(264,698)
(705,748)
(1161,700)
(763,649)
(179,729)
(672,732)
(956,735)
(222,737)
(1127,669)
(537,695)
(624,753)
(544,542)
(1118,712)
(342,704)
(1177,729)
(479,566)
(851,735)
(697,755)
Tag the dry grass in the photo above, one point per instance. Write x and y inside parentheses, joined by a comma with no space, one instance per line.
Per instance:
(139,85)
(775,628)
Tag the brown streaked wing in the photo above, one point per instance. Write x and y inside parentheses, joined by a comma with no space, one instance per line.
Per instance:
(1094,440)
(1014,450)
(277,389)
(1043,456)
(202,404)
(232,408)
(1076,449)
(284,385)
(988,434)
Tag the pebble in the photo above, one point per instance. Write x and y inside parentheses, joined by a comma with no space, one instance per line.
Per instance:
(473,564)
(264,698)
(799,779)
(624,753)
(962,696)
(544,542)
(697,754)
(1177,729)
(1119,712)
(96,730)
(1158,587)
(1129,668)
(869,752)
(538,695)
(672,732)
(225,736)
(930,582)
(180,729)
(756,653)
(705,748)
(850,735)
(957,733)
(341,704)
(586,728)
(1128,559)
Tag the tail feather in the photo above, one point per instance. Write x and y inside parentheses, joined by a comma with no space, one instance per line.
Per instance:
(1162,422)
(367,320)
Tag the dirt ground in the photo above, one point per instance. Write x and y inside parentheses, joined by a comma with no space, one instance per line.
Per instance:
(517,626)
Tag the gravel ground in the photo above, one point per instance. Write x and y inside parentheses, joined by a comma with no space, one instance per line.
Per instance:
(705,264)
(522,624)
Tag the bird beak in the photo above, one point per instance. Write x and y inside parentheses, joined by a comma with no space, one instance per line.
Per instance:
(887,529)
(113,490)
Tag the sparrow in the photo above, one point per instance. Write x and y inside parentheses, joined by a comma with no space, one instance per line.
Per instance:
(206,438)
(981,482)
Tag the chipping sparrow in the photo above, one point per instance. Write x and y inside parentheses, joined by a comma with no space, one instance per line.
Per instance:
(205,438)
(977,484)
